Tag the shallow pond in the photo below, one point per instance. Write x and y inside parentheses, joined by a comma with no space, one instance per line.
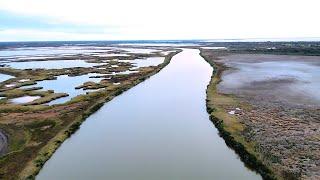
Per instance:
(66,84)
(112,54)
(152,61)
(288,78)
(159,129)
(32,51)
(139,50)
(4,77)
(51,64)
(23,99)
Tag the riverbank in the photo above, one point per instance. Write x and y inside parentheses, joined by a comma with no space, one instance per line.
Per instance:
(229,127)
(134,139)
(275,136)
(33,168)
(36,130)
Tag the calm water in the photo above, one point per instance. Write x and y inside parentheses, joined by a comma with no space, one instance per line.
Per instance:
(4,77)
(66,84)
(24,99)
(139,50)
(151,61)
(157,130)
(112,54)
(45,52)
(17,52)
(304,78)
(53,64)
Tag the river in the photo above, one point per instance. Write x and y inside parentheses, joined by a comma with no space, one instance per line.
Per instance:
(158,129)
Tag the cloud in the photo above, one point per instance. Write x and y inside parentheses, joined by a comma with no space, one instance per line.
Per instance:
(173,19)
(41,35)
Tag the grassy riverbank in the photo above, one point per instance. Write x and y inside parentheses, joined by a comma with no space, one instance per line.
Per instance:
(33,167)
(35,131)
(230,128)
(264,114)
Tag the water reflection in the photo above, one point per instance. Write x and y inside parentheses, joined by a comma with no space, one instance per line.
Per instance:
(30,51)
(157,130)
(151,61)
(52,64)
(139,50)
(284,77)
(24,99)
(4,77)
(66,84)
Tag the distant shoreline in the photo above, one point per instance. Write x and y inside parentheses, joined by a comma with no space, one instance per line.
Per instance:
(155,41)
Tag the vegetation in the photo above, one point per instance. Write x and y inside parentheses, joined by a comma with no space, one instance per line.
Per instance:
(230,128)
(285,48)
(35,130)
(271,136)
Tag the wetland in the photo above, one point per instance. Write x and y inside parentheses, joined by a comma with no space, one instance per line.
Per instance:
(46,92)
(142,142)
(268,104)
(144,108)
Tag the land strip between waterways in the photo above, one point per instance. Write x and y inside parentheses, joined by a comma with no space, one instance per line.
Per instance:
(33,167)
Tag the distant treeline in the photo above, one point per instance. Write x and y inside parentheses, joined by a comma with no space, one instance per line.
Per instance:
(289,48)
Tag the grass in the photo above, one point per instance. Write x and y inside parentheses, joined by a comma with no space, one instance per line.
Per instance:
(70,121)
(35,131)
(15,108)
(229,126)
(47,98)
(18,137)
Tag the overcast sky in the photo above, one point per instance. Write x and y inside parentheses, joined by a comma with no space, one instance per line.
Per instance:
(25,20)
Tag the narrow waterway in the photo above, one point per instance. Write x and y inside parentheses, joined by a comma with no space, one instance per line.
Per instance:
(157,130)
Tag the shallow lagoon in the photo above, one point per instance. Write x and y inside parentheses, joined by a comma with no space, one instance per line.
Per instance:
(51,64)
(293,79)
(24,99)
(16,52)
(152,61)
(139,50)
(66,84)
(4,77)
(112,54)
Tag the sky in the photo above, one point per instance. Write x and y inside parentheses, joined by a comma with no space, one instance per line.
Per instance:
(40,20)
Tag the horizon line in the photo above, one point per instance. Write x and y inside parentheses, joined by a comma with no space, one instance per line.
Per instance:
(208,40)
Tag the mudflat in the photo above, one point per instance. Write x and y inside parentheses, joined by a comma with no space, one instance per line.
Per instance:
(275,99)
(293,80)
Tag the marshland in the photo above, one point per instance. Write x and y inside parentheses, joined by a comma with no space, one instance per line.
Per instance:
(168,110)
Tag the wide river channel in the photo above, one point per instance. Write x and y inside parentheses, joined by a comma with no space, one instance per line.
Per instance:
(157,130)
